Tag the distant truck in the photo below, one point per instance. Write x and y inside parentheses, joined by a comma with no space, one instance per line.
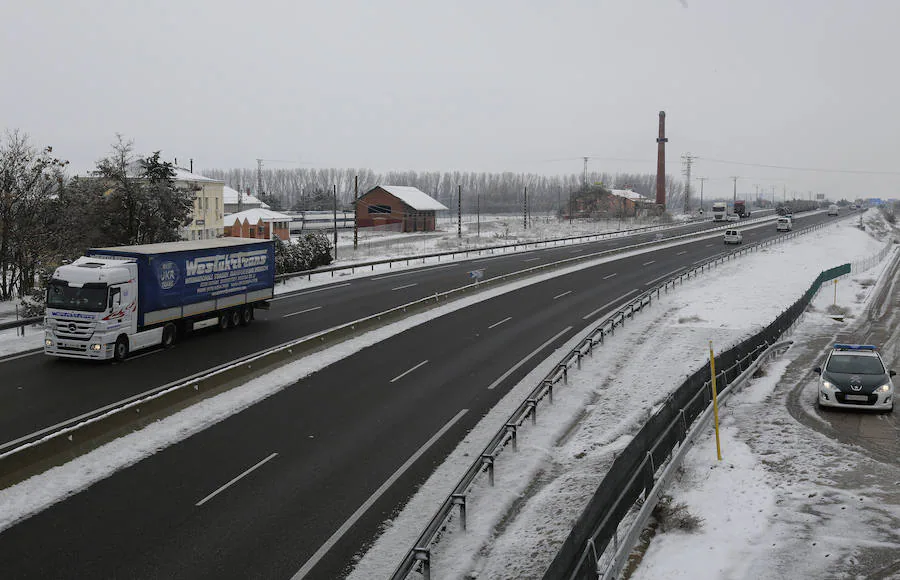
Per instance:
(719,209)
(117,300)
(740,208)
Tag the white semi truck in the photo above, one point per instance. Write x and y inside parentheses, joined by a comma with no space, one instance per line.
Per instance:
(720,211)
(121,299)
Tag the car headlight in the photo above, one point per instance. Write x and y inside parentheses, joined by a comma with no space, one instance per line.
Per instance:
(886,388)
(826,386)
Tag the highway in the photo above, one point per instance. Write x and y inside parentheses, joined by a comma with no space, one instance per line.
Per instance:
(266,492)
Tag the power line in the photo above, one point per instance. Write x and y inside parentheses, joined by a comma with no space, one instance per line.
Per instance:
(792,168)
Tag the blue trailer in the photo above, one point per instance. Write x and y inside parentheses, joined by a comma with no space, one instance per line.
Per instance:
(120,299)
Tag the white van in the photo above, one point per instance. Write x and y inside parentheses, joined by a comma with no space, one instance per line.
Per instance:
(833,210)
(734,237)
(784,224)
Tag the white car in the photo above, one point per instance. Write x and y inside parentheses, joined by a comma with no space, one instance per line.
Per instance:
(733,217)
(734,237)
(784,224)
(834,210)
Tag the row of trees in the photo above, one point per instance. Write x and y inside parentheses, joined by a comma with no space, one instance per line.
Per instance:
(312,189)
(47,218)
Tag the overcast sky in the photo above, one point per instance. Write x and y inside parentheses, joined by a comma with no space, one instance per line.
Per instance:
(473,85)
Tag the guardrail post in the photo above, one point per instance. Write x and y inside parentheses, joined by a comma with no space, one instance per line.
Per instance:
(460,500)
(549,390)
(578,354)
(489,461)
(512,428)
(565,372)
(424,555)
(532,404)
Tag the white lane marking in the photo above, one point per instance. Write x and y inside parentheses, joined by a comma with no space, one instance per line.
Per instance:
(233,481)
(21,356)
(401,375)
(708,245)
(611,275)
(608,304)
(301,312)
(527,358)
(531,259)
(561,295)
(665,276)
(499,323)
(486,259)
(416,271)
(405,286)
(143,354)
(650,262)
(681,252)
(351,521)
(282,297)
(576,251)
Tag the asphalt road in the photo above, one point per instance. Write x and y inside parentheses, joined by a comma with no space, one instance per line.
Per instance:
(316,456)
(38,392)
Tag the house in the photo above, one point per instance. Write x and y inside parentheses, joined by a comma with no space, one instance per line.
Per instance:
(209,205)
(258,223)
(409,207)
(236,201)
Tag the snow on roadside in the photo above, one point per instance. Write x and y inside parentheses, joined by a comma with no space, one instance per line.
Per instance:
(515,529)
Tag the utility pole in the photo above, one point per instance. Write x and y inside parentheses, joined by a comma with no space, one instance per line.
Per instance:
(687,159)
(525,207)
(355,212)
(584,179)
(459,212)
(335,220)
(756,185)
(734,179)
(559,201)
(478,213)
(701,180)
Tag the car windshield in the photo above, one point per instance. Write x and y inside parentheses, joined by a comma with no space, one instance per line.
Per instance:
(90,299)
(855,364)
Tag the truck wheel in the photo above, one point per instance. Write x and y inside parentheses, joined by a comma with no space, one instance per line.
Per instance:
(234,317)
(121,349)
(223,320)
(168,336)
(246,315)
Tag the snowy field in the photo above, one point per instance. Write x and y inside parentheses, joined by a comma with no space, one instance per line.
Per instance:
(516,527)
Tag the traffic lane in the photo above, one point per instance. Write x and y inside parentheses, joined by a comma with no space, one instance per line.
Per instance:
(337,434)
(38,392)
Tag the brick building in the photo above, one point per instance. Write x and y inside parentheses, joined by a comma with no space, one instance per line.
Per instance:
(410,207)
(258,223)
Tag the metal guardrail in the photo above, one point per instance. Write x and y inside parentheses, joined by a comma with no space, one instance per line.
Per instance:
(21,322)
(514,246)
(420,553)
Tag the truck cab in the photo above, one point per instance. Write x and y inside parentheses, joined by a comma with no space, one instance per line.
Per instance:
(90,302)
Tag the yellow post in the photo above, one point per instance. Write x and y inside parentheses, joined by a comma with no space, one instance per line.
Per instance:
(835,291)
(712,369)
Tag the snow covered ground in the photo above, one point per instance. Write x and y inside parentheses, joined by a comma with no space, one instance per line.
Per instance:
(515,528)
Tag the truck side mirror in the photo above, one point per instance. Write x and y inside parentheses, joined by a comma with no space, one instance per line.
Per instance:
(892,373)
(818,370)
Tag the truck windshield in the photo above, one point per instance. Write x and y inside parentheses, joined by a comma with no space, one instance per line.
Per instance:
(90,298)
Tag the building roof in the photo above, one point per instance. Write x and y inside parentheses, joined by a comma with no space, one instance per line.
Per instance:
(231,196)
(182,174)
(629,194)
(254,215)
(413,197)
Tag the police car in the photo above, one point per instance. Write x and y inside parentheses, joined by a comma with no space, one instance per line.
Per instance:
(854,376)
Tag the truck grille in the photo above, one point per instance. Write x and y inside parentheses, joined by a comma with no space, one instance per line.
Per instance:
(73,329)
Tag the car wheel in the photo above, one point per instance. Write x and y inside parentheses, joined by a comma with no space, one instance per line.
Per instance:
(168,335)
(120,351)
